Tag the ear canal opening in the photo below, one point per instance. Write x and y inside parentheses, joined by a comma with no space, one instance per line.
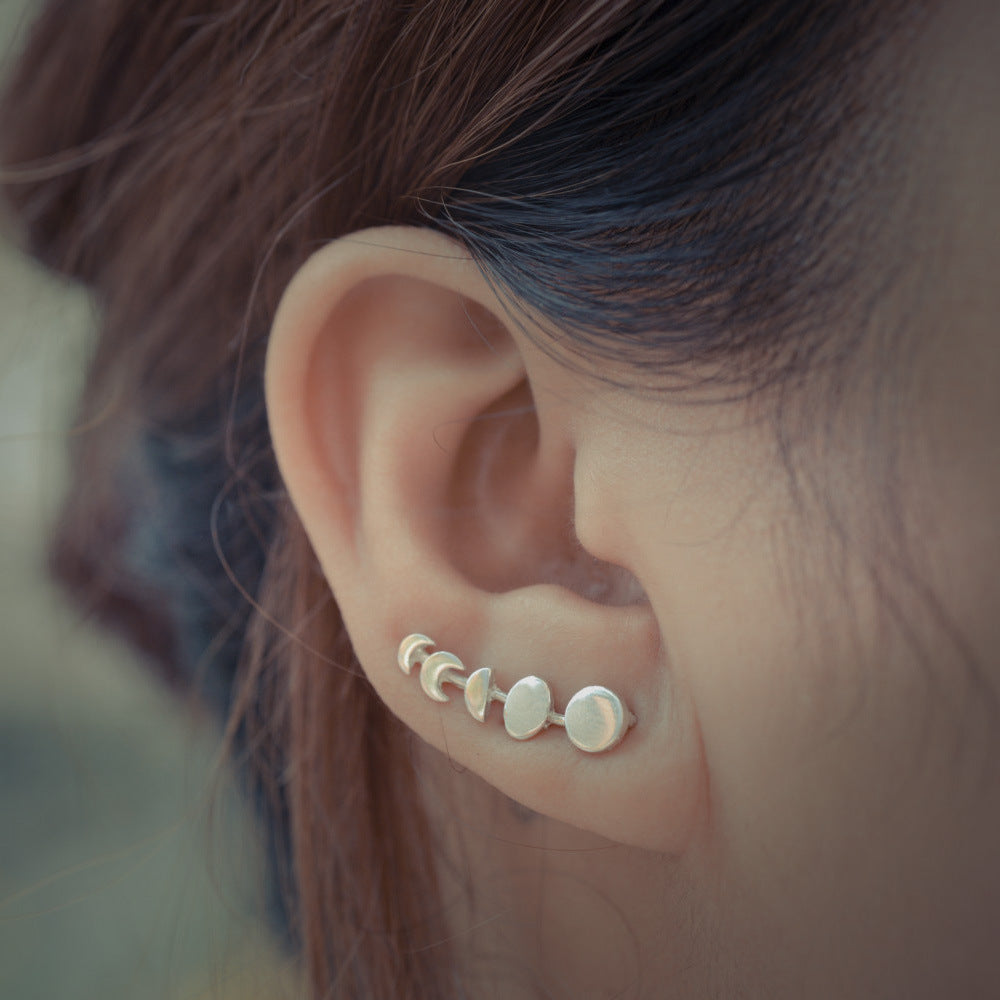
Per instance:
(596,580)
(508,519)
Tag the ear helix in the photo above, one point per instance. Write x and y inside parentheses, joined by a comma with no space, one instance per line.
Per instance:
(595,719)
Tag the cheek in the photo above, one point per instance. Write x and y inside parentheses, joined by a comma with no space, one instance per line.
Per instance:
(731,628)
(711,531)
(836,778)
(802,701)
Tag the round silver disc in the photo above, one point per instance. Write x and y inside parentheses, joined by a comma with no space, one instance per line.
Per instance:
(595,719)
(526,710)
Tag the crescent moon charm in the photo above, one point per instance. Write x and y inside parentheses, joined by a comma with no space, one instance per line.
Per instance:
(438,669)
(411,651)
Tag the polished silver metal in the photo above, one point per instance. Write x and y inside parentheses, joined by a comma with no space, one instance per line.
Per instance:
(596,719)
(411,651)
(527,708)
(438,669)
(481,692)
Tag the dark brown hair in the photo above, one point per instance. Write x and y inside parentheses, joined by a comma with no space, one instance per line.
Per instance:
(664,182)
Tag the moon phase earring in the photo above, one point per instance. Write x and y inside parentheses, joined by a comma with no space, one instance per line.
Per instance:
(595,720)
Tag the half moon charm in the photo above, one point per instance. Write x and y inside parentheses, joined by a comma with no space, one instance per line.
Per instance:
(438,669)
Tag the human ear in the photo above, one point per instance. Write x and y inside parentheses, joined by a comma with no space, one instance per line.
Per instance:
(429,451)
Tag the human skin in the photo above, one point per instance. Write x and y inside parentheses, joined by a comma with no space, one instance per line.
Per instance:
(809,805)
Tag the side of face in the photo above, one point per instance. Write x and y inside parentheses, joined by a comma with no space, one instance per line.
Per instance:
(833,612)
(804,625)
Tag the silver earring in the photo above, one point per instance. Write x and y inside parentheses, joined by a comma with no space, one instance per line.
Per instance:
(595,720)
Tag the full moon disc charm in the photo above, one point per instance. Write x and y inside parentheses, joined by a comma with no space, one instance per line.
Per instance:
(526,711)
(595,719)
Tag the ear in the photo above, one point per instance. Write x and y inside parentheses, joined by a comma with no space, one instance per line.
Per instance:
(429,450)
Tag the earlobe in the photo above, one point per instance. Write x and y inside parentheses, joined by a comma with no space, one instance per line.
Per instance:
(435,479)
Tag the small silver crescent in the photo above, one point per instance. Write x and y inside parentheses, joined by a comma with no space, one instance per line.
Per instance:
(438,669)
(410,650)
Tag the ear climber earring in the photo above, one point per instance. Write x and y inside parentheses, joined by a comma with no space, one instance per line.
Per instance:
(595,720)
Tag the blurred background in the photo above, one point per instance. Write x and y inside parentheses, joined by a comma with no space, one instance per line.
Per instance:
(128,867)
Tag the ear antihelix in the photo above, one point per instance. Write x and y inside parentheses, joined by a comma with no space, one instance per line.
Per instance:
(595,719)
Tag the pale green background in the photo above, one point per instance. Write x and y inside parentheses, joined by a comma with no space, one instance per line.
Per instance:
(108,806)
